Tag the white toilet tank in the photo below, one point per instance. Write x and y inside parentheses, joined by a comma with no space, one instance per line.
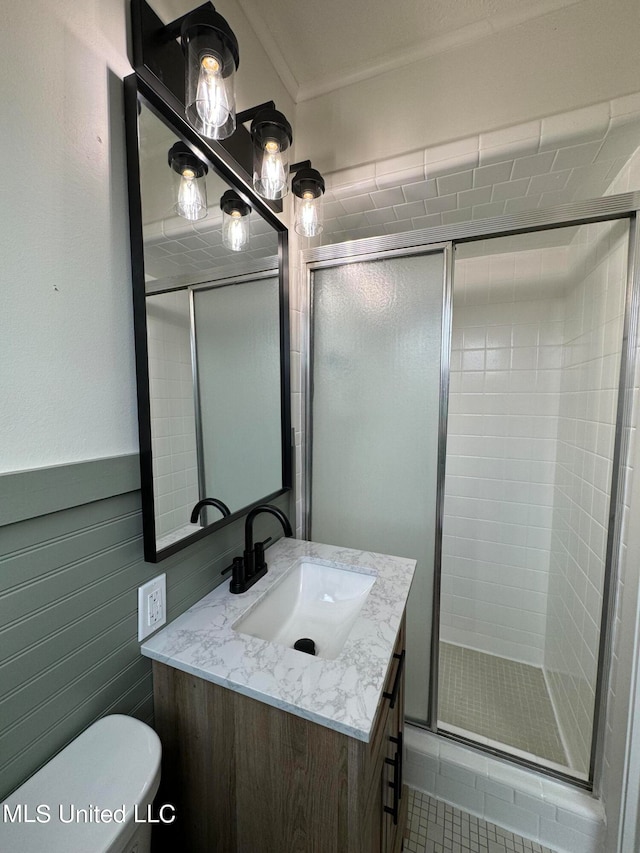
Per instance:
(93,797)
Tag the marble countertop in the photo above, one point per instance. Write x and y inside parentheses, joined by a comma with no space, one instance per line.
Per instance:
(342,694)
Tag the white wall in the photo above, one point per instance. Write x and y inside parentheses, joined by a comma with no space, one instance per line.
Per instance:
(66,329)
(68,378)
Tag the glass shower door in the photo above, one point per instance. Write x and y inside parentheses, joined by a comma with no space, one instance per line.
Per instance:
(375,402)
(537,337)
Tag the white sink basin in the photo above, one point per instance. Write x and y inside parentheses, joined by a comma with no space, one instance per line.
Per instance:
(313,599)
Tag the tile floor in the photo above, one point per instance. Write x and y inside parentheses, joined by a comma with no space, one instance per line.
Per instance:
(435,827)
(499,699)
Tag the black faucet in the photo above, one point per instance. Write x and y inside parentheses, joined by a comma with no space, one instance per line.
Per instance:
(249,568)
(195,514)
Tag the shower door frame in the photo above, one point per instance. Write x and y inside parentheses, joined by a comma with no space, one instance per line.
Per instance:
(444,238)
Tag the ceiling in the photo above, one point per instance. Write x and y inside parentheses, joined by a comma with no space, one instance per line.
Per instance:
(317,47)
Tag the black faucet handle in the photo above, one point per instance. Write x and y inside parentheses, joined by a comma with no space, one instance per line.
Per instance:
(234,565)
(237,583)
(260,562)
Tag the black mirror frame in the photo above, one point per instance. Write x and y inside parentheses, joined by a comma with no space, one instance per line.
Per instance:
(135,88)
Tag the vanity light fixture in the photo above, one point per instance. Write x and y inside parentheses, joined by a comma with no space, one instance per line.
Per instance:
(191,64)
(211,60)
(189,179)
(271,137)
(235,221)
(308,187)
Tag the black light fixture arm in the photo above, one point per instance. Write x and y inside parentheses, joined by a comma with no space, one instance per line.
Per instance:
(172,30)
(250,113)
(303,164)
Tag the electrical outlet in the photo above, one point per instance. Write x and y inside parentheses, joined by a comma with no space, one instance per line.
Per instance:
(152,606)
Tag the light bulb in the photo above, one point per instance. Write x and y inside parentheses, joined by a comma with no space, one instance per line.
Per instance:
(212,98)
(236,234)
(307,223)
(273,176)
(191,203)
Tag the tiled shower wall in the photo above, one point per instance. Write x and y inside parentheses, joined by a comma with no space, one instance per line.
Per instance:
(172,410)
(501,446)
(586,427)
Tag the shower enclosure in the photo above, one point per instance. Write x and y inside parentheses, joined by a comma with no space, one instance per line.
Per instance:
(468,395)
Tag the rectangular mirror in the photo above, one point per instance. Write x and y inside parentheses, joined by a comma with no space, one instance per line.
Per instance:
(211,325)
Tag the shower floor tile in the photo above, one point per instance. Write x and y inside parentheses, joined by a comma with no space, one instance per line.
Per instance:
(435,827)
(499,699)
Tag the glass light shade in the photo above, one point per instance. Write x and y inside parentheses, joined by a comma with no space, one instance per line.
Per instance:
(189,182)
(309,215)
(210,66)
(236,218)
(308,188)
(270,170)
(191,195)
(271,137)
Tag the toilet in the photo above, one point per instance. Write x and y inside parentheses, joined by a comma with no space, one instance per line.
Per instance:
(95,796)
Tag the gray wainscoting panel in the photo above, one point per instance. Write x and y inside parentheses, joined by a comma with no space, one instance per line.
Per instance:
(27,494)
(68,609)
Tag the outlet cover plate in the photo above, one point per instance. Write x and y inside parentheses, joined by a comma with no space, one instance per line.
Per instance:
(152,606)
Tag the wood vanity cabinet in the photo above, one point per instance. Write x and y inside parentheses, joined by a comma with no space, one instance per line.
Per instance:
(249,778)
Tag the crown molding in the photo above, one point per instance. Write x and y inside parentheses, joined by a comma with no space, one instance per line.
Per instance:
(258,24)
(399,59)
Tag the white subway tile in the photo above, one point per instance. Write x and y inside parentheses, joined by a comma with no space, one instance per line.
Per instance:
(463,796)
(441,204)
(625,105)
(496,789)
(511,816)
(536,164)
(556,835)
(493,174)
(449,150)
(350,177)
(582,124)
(399,164)
(572,157)
(420,190)
(454,183)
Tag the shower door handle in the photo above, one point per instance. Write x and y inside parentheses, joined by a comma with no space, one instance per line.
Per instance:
(393,696)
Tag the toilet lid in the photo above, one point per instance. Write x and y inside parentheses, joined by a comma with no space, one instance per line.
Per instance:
(92,794)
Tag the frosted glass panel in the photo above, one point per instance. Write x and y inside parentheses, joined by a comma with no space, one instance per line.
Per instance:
(238,343)
(376,380)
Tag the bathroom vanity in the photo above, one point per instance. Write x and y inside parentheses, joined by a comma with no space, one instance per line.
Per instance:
(269,749)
